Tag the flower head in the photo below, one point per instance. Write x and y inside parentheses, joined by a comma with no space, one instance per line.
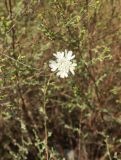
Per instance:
(63,64)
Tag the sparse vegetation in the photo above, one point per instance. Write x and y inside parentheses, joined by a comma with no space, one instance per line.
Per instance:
(44,117)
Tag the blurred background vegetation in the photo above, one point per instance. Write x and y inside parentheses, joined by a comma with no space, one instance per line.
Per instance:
(77,118)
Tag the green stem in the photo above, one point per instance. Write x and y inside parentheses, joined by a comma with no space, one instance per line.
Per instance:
(45,117)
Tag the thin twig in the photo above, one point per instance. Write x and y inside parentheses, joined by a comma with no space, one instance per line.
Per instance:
(13,59)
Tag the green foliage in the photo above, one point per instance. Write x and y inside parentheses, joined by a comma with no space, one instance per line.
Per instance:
(43,116)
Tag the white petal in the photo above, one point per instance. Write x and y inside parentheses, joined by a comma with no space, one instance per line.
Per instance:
(72,71)
(69,55)
(62,74)
(72,68)
(59,74)
(59,55)
(53,65)
(74,64)
(66,51)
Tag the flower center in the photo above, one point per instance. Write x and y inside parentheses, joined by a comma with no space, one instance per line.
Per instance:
(64,65)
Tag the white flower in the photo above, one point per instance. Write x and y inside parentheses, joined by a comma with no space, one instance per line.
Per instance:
(63,64)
